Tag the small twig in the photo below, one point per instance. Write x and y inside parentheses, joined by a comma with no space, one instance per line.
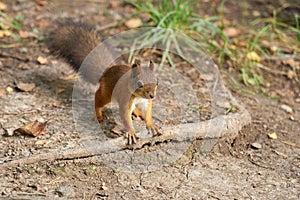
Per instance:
(250,158)
(270,70)
(8,46)
(31,194)
(281,57)
(4,55)
(107,26)
(289,143)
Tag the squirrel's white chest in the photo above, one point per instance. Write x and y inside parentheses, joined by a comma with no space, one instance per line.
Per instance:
(140,103)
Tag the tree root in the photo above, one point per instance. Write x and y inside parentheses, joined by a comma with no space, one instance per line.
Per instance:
(218,127)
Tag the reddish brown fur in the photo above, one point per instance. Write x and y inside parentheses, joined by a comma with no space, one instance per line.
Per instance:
(74,41)
(108,82)
(115,83)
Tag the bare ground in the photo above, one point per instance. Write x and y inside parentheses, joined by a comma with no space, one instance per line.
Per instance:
(232,170)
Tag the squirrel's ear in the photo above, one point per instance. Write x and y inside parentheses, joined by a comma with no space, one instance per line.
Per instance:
(136,68)
(151,65)
(137,62)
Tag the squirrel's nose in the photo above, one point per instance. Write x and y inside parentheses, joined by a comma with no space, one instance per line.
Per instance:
(151,96)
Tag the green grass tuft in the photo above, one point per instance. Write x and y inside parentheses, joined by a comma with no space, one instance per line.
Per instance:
(171,16)
(258,37)
(10,24)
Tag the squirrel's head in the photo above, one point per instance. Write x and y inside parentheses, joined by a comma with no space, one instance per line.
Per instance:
(143,81)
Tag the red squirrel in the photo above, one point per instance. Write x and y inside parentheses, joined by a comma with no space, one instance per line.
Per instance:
(133,87)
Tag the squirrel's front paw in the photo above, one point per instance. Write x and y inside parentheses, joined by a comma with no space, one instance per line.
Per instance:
(131,137)
(154,130)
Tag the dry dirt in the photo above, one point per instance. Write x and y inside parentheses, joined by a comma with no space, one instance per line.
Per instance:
(233,169)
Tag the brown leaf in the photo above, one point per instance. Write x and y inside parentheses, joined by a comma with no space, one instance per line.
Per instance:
(42,2)
(291,74)
(291,62)
(41,142)
(42,60)
(59,91)
(42,24)
(32,128)
(231,32)
(23,34)
(2,92)
(114,4)
(3,6)
(57,103)
(134,23)
(4,33)
(26,87)
(272,136)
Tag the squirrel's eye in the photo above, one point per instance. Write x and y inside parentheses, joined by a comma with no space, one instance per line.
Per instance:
(140,84)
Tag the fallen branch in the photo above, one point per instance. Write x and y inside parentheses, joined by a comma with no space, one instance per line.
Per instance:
(218,127)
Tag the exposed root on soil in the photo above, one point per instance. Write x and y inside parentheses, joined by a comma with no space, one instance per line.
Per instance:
(218,127)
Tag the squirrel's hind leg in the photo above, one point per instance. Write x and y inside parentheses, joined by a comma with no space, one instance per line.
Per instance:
(102,97)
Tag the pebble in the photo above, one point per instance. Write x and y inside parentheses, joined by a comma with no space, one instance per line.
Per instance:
(9,132)
(287,108)
(256,145)
(65,191)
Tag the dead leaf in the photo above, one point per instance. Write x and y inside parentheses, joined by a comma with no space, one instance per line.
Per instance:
(292,118)
(272,136)
(3,6)
(273,48)
(114,4)
(291,74)
(9,132)
(134,23)
(70,77)
(59,91)
(231,32)
(291,62)
(253,56)
(4,33)
(23,34)
(42,24)
(287,108)
(26,87)
(42,60)
(57,103)
(42,2)
(9,89)
(32,128)
(256,13)
(41,142)
(2,92)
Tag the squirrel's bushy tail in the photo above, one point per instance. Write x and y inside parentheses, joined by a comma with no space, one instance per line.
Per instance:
(74,41)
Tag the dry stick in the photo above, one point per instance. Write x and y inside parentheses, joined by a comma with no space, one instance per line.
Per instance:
(5,55)
(210,129)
